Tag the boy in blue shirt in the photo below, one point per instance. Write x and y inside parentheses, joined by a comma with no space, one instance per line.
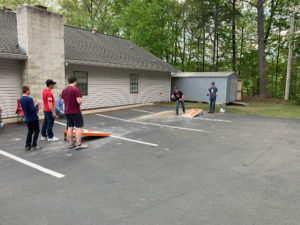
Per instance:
(1,123)
(32,119)
(212,93)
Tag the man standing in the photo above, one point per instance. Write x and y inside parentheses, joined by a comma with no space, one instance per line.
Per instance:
(179,100)
(59,107)
(212,93)
(49,112)
(32,119)
(72,99)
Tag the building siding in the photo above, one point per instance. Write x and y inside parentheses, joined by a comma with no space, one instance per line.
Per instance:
(111,87)
(10,91)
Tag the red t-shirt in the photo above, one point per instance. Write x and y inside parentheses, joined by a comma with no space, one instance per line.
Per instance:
(70,95)
(48,97)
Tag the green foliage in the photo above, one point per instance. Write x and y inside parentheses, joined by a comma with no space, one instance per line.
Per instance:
(196,35)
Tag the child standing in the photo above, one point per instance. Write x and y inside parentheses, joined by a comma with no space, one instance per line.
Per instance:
(32,119)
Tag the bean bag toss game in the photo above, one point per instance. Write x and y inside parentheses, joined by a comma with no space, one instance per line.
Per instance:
(193,113)
(87,133)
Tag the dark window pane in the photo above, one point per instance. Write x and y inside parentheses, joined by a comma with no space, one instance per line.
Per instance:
(82,81)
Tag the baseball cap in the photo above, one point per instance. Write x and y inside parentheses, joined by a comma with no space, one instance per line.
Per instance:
(50,82)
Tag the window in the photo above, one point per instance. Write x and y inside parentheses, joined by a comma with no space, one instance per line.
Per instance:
(82,81)
(134,83)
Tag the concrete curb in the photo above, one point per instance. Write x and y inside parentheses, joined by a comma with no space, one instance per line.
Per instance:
(88,111)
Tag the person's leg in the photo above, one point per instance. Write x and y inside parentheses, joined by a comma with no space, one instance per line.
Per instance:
(59,114)
(214,104)
(36,129)
(182,105)
(177,107)
(29,134)
(44,126)
(50,125)
(78,136)
(70,135)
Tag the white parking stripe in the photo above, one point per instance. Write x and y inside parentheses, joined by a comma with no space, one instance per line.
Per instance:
(33,165)
(139,110)
(131,140)
(152,124)
(208,119)
(122,138)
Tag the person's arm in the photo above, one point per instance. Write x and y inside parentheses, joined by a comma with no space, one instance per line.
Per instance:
(52,109)
(33,107)
(208,93)
(78,97)
(217,92)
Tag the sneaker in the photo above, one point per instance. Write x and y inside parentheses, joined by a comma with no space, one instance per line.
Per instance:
(53,139)
(43,138)
(27,148)
(72,146)
(35,148)
(80,147)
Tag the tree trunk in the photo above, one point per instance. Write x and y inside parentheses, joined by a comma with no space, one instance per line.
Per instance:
(289,65)
(233,37)
(261,49)
(183,51)
(241,51)
(277,59)
(203,50)
(217,54)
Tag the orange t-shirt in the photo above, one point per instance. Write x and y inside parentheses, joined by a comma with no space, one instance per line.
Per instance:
(48,97)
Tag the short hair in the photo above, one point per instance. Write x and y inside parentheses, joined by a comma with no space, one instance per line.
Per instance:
(72,79)
(213,83)
(25,89)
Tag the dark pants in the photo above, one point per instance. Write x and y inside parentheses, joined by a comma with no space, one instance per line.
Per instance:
(177,106)
(212,104)
(33,128)
(48,125)
(59,113)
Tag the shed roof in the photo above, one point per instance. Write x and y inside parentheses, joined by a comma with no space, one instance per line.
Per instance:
(83,47)
(203,74)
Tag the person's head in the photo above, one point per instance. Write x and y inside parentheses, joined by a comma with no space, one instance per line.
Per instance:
(72,80)
(60,96)
(176,89)
(212,84)
(50,84)
(26,90)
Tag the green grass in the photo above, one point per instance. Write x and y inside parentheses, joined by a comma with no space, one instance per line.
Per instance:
(261,107)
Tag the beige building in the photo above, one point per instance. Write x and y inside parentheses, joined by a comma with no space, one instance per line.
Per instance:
(35,45)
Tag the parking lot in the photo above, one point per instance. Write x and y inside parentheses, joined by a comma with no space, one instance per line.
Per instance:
(156,169)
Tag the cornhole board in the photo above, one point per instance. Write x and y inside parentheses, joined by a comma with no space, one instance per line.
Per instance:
(193,113)
(87,133)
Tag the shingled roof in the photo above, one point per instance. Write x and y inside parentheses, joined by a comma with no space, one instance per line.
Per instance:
(85,48)
(9,36)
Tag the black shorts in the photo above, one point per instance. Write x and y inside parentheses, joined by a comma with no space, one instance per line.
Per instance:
(74,120)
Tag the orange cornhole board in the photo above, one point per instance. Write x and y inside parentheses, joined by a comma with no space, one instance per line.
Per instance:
(88,133)
(193,113)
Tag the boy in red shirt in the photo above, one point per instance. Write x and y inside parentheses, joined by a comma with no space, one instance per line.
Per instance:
(72,98)
(49,112)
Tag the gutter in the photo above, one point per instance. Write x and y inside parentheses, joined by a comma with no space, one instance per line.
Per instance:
(12,56)
(109,65)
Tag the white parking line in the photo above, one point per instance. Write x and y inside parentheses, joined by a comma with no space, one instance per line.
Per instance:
(33,165)
(152,124)
(208,119)
(122,138)
(139,110)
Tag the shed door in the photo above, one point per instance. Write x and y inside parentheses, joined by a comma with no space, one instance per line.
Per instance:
(9,86)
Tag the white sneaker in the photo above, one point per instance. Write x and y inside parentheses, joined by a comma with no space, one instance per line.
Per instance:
(53,139)
(43,138)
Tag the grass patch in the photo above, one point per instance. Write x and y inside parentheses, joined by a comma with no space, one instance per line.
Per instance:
(256,106)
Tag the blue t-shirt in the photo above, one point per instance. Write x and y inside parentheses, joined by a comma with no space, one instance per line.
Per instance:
(29,109)
(59,105)
(212,92)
